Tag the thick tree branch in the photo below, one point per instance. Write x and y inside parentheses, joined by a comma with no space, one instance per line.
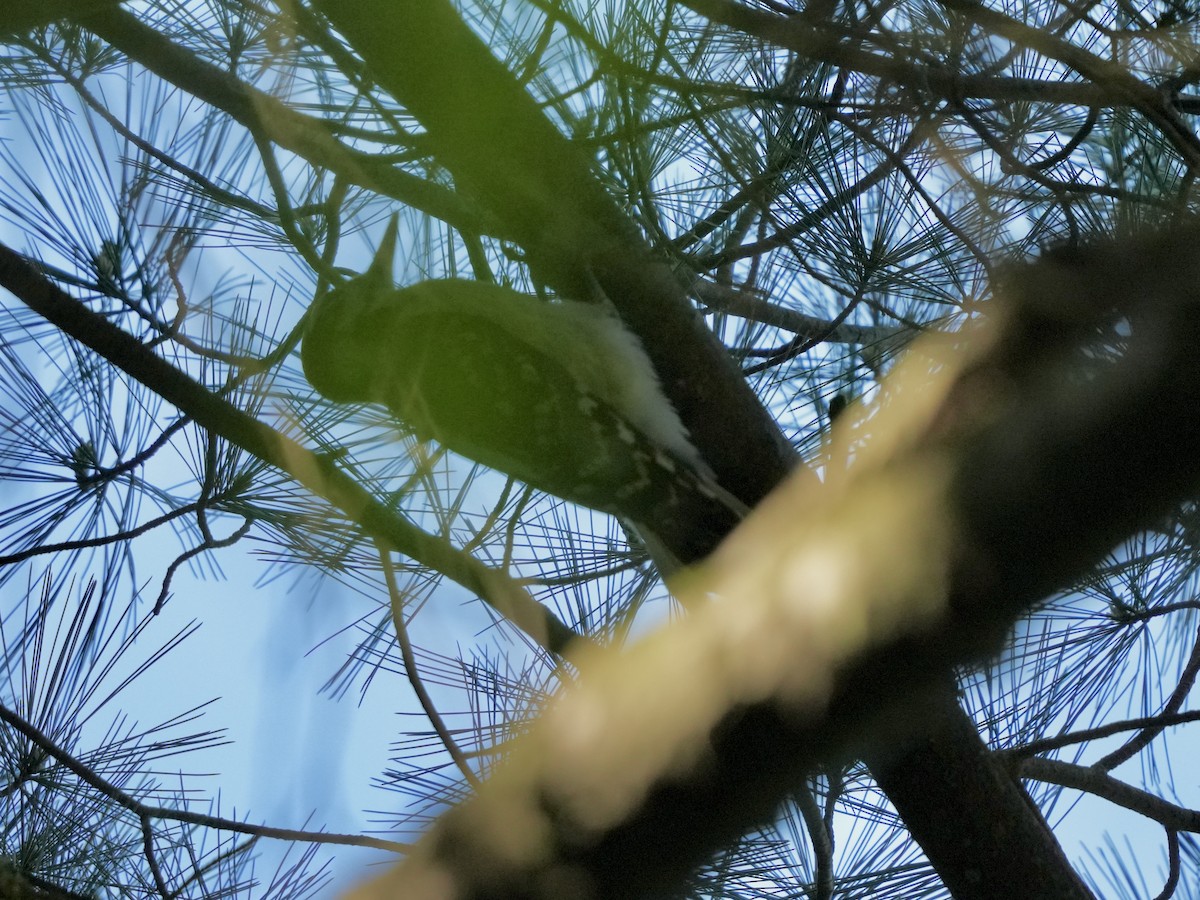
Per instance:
(1007,859)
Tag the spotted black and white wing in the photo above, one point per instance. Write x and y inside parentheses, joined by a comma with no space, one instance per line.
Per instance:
(558,395)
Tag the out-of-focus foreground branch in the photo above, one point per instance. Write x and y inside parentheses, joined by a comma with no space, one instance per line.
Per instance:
(997,465)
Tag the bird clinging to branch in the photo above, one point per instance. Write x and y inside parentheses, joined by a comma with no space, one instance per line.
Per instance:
(557,394)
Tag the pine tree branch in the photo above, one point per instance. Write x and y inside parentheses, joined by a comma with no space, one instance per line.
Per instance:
(318,473)
(1152,102)
(306,136)
(1099,783)
(948,768)
(1110,85)
(1138,742)
(147,813)
(749,305)
(1157,722)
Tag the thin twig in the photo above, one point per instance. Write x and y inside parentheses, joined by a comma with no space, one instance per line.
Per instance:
(410,668)
(1139,741)
(145,811)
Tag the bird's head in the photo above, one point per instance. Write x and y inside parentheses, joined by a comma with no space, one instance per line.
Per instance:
(343,345)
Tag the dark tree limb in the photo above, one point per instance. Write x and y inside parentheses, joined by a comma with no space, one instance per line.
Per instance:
(1006,859)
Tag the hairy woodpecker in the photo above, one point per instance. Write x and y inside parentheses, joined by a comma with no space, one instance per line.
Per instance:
(557,394)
